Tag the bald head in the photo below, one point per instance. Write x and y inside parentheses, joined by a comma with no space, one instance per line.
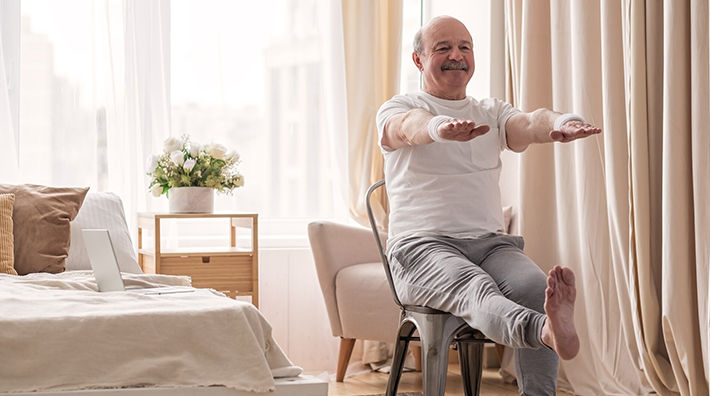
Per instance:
(422,34)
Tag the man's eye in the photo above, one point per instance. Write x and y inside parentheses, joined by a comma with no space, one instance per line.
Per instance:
(465,48)
(441,49)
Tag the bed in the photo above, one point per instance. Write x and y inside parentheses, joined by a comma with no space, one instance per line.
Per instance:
(60,336)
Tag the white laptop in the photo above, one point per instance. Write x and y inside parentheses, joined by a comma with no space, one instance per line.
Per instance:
(105,265)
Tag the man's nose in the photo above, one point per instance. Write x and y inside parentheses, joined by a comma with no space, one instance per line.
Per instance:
(456,54)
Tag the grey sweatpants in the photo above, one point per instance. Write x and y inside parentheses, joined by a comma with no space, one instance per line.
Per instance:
(492,285)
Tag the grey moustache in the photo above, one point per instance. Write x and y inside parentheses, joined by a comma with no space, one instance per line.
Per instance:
(454,66)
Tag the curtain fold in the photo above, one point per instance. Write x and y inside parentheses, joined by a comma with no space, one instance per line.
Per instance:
(700,155)
(372,33)
(663,210)
(137,35)
(627,210)
(8,151)
(9,33)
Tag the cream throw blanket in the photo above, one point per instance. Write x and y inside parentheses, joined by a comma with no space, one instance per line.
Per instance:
(57,332)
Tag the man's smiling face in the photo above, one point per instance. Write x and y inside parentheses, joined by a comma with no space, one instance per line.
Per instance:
(446,59)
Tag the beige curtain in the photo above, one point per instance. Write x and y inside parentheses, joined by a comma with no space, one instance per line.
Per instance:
(372,31)
(627,210)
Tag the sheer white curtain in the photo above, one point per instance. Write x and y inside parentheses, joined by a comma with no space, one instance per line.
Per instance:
(93,94)
(9,24)
(8,151)
(137,39)
(274,93)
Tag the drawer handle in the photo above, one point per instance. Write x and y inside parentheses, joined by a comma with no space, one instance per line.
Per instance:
(205,259)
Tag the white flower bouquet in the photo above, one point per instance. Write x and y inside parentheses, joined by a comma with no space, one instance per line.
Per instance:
(184,163)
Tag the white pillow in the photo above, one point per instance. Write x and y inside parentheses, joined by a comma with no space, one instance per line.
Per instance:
(102,210)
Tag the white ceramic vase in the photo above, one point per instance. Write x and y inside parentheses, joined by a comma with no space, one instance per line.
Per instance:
(191,199)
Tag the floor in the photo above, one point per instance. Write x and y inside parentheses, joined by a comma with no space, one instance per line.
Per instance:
(375,383)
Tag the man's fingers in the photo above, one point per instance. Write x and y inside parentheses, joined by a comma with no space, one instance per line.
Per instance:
(577,133)
(465,124)
(480,130)
(462,130)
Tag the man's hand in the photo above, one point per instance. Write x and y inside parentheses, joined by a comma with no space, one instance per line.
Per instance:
(573,130)
(461,130)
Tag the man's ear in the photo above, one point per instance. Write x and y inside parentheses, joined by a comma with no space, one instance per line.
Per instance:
(417,61)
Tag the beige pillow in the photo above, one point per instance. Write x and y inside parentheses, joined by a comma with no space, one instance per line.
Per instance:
(41,219)
(6,243)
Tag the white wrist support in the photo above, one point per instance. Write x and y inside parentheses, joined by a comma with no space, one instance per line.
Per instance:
(561,120)
(433,127)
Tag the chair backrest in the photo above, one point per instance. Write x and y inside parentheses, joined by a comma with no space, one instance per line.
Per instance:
(375,232)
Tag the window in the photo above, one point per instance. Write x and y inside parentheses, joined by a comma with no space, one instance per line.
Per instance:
(254,76)
(258,87)
(62,130)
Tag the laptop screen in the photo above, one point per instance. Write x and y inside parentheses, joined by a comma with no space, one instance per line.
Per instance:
(103,259)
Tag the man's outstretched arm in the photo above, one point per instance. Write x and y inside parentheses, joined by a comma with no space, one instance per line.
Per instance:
(538,126)
(418,126)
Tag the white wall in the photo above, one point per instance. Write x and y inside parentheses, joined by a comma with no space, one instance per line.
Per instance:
(290,298)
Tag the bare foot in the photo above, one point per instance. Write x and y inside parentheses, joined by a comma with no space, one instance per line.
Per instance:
(559,332)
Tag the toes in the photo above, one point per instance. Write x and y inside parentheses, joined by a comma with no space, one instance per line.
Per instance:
(568,276)
(551,281)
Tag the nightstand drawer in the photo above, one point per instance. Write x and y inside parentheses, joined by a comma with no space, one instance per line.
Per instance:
(224,273)
(231,268)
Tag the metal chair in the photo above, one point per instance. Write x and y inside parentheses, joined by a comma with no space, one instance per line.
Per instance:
(437,331)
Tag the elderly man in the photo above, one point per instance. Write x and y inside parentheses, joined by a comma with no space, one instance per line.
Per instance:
(447,249)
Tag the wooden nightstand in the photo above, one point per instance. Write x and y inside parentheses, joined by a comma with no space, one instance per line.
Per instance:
(229,269)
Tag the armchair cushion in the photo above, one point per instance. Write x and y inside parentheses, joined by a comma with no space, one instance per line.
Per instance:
(367,309)
(336,246)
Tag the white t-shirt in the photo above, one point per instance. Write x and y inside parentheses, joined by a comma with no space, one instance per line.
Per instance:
(447,188)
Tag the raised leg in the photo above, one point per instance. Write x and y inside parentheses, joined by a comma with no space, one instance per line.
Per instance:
(346,349)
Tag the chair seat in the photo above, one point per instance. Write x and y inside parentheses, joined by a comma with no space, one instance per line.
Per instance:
(364,299)
(424,309)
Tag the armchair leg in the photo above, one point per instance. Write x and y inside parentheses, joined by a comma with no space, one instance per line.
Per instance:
(346,349)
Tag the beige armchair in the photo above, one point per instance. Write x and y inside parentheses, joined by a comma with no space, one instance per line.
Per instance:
(352,279)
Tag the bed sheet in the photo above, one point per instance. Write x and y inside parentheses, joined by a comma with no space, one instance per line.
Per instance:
(57,332)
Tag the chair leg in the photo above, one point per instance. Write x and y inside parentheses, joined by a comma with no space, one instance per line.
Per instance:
(435,354)
(400,353)
(346,349)
(471,360)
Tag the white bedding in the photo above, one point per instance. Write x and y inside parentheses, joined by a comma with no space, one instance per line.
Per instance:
(58,333)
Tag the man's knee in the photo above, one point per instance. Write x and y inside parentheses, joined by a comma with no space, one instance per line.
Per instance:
(526,286)
(532,291)
(518,277)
